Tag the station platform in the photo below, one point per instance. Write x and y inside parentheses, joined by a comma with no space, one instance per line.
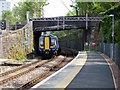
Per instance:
(89,70)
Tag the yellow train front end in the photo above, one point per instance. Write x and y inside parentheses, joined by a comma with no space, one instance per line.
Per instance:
(48,45)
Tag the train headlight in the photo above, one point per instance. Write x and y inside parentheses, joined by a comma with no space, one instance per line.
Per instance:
(52,46)
(41,47)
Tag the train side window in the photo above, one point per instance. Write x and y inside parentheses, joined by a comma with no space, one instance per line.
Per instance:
(52,41)
(41,42)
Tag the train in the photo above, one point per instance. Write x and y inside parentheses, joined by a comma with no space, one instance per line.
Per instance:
(48,44)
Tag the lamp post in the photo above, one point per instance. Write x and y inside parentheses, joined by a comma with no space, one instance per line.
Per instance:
(112,15)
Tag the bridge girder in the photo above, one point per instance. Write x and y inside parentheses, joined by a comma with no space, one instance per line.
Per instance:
(64,23)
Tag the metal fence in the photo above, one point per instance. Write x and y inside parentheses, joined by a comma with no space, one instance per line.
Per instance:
(108,49)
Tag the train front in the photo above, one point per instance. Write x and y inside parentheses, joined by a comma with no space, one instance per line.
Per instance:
(48,45)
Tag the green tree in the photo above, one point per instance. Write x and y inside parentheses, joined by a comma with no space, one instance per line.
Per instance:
(106,9)
(107,26)
(34,7)
(6,13)
(82,8)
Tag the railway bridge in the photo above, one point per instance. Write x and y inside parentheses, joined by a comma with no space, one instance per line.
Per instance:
(63,23)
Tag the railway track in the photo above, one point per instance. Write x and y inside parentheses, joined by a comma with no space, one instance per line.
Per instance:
(19,68)
(4,77)
(40,72)
(45,74)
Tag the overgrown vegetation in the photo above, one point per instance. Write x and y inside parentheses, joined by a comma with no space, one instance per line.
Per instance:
(17,53)
(69,37)
(81,8)
(63,33)
(107,25)
(91,48)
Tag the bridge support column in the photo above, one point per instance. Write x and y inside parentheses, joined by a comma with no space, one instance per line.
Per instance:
(85,38)
(36,42)
(85,35)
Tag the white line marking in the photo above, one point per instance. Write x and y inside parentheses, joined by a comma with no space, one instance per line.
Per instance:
(112,72)
(37,85)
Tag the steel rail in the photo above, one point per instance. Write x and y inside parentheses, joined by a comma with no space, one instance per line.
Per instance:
(39,77)
(22,73)
(19,68)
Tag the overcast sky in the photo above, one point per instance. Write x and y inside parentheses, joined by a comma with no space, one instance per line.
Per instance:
(55,7)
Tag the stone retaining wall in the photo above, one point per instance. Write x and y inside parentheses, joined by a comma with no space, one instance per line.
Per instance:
(12,43)
(73,41)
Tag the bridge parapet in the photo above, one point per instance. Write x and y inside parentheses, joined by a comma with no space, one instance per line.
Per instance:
(65,22)
(69,19)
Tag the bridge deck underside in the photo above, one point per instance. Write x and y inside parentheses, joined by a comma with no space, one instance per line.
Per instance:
(53,25)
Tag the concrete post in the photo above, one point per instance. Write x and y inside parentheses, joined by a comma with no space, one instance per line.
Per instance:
(28,31)
(63,23)
(86,21)
(1,47)
(8,23)
(58,24)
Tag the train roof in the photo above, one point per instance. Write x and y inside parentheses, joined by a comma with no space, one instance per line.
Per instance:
(48,35)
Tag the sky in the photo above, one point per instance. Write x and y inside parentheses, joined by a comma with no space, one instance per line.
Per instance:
(55,7)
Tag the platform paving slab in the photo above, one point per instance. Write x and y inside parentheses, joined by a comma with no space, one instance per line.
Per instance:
(93,74)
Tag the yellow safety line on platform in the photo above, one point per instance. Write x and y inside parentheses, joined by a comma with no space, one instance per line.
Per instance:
(66,81)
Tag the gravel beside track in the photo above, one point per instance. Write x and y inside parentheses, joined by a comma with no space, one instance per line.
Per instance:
(5,68)
(21,70)
(17,82)
(30,84)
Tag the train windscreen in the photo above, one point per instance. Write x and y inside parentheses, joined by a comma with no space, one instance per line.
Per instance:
(52,41)
(41,41)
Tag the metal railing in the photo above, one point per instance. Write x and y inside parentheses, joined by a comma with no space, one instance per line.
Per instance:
(69,19)
(107,49)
